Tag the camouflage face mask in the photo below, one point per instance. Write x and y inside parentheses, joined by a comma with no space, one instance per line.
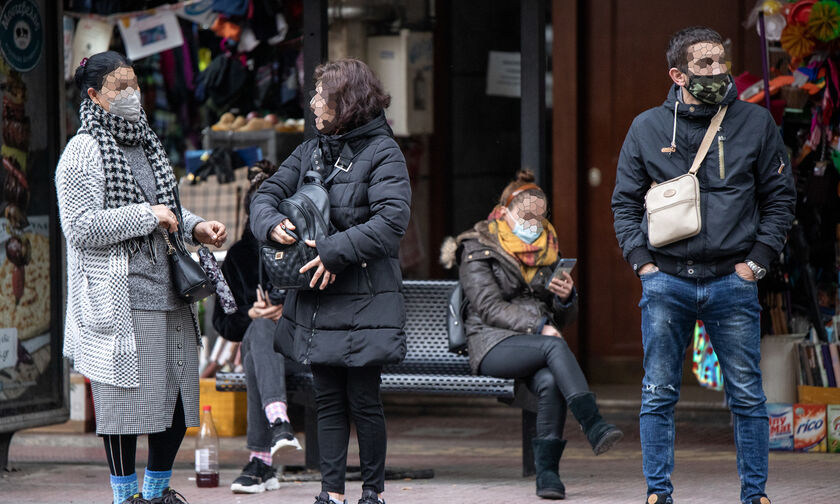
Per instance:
(710,89)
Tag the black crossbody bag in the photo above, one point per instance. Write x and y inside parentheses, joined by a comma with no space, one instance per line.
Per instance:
(309,210)
(188,277)
(190,280)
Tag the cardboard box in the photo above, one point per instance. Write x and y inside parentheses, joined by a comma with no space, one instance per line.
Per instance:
(230,409)
(832,423)
(780,367)
(818,395)
(809,428)
(404,65)
(781,426)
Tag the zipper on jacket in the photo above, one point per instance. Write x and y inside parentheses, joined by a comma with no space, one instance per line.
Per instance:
(312,334)
(721,139)
(367,278)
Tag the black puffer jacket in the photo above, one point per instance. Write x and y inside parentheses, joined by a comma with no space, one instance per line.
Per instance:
(500,302)
(359,320)
(747,194)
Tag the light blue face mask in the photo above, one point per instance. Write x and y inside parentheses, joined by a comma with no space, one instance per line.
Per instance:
(529,235)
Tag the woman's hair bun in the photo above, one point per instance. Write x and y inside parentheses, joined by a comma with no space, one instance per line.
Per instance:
(525,176)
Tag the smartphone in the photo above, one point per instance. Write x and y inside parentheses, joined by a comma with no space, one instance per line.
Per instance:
(565,265)
(262,293)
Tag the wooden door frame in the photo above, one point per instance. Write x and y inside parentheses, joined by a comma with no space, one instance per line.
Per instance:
(565,148)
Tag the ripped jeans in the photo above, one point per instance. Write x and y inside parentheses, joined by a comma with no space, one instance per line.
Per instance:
(730,310)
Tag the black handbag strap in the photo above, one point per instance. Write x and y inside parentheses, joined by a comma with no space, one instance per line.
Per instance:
(180,218)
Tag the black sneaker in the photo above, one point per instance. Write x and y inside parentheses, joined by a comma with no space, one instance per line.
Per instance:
(282,435)
(659,499)
(169,496)
(324,498)
(370,497)
(136,499)
(760,500)
(256,477)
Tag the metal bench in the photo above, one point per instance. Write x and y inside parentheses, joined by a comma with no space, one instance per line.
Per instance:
(429,368)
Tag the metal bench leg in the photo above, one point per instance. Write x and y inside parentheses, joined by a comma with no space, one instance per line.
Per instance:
(5,441)
(529,431)
(313,457)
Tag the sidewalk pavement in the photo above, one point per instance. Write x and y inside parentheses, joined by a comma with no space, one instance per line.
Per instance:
(474,450)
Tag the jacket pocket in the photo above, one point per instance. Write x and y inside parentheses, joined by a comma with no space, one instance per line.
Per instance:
(98,309)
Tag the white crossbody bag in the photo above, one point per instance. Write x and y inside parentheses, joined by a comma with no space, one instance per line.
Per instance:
(673,206)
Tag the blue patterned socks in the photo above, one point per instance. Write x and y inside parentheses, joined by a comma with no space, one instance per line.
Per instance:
(155,482)
(124,487)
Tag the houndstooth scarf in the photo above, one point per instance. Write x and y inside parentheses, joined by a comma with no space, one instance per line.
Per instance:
(121,188)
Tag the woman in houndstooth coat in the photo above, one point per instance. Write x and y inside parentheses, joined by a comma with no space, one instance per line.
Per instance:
(126,328)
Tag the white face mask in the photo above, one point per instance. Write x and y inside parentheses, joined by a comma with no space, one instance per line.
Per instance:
(127,105)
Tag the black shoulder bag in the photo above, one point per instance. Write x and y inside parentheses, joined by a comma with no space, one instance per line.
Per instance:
(455,321)
(190,280)
(188,277)
(309,210)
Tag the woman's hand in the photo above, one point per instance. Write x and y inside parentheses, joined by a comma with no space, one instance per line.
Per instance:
(562,287)
(166,219)
(320,273)
(263,308)
(279,234)
(550,330)
(210,233)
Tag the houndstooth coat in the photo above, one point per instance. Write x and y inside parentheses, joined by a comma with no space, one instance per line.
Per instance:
(98,333)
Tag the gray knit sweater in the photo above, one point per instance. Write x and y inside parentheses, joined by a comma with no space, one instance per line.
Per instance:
(149,277)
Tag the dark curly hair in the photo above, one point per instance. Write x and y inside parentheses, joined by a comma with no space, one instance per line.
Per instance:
(357,91)
(257,174)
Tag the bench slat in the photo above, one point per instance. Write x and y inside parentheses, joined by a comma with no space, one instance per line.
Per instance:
(433,384)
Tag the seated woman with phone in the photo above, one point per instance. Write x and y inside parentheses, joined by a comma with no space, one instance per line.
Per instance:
(260,307)
(520,294)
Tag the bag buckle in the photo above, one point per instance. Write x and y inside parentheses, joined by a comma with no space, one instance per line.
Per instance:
(278,256)
(338,165)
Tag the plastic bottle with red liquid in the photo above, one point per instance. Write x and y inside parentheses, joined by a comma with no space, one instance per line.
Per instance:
(207,452)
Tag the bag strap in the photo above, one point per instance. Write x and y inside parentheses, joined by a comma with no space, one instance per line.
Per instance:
(707,140)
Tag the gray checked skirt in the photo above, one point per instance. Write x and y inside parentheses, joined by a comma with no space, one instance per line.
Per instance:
(168,349)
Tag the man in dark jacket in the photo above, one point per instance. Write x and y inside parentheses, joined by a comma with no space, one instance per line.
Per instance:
(747,198)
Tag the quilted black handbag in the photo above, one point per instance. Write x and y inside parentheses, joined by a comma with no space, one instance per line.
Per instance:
(309,210)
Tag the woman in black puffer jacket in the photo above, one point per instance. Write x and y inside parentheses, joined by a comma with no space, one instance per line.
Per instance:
(513,318)
(352,322)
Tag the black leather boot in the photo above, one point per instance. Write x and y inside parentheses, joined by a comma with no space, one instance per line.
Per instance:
(601,435)
(547,454)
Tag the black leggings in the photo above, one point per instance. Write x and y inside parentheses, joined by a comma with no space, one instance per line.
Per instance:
(551,371)
(121,449)
(343,393)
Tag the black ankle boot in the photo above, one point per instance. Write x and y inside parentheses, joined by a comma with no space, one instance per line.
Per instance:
(547,454)
(601,435)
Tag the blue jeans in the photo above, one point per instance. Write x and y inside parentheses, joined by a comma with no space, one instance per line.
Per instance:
(729,308)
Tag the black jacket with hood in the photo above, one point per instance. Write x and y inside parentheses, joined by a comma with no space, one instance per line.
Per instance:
(747,193)
(358,320)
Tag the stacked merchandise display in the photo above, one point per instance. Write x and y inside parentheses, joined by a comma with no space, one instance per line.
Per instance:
(198,61)
(801,87)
